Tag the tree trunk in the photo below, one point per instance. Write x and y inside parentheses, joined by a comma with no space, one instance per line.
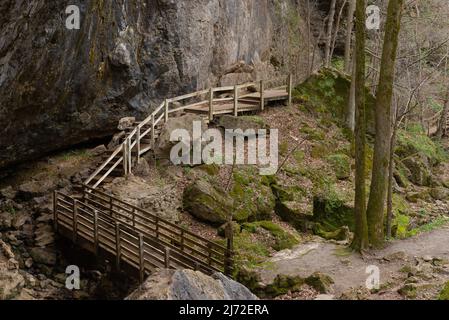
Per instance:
(378,191)
(391,175)
(360,241)
(350,111)
(349,27)
(442,125)
(330,25)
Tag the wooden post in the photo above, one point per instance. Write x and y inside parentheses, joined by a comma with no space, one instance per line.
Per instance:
(141,259)
(134,217)
(111,206)
(125,157)
(153,134)
(117,245)
(167,258)
(166,109)
(236,101)
(138,144)
(211,104)
(209,254)
(230,246)
(96,232)
(129,152)
(290,88)
(55,210)
(182,240)
(262,99)
(75,220)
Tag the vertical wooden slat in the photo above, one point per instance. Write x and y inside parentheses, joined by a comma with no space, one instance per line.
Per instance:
(129,152)
(117,245)
(134,217)
(167,258)
(166,109)
(55,210)
(141,259)
(209,255)
(262,99)
(290,88)
(75,220)
(228,263)
(153,134)
(111,206)
(236,101)
(211,104)
(96,232)
(125,158)
(182,240)
(138,144)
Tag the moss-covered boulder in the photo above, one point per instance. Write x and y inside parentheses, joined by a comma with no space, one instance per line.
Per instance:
(419,170)
(327,91)
(341,164)
(207,202)
(281,239)
(281,285)
(439,193)
(416,196)
(252,196)
(320,282)
(249,199)
(288,205)
(444,294)
(340,234)
(332,212)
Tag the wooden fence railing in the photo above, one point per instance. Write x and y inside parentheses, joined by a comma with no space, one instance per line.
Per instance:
(146,128)
(137,237)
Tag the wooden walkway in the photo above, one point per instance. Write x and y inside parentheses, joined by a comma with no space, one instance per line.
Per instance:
(135,238)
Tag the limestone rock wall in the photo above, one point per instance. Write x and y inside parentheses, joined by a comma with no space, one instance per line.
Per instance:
(59,87)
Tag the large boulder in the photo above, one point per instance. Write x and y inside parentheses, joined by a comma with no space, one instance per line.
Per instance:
(161,200)
(420,171)
(164,144)
(252,195)
(11,281)
(288,206)
(190,285)
(249,199)
(208,202)
(332,213)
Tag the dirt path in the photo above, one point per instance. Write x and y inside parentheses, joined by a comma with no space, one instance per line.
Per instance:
(428,252)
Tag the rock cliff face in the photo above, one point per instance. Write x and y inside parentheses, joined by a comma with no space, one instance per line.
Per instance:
(59,87)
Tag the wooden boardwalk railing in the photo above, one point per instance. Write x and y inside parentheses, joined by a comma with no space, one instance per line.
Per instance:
(210,102)
(143,241)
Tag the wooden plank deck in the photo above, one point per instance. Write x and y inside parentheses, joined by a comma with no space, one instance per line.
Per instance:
(246,102)
(134,237)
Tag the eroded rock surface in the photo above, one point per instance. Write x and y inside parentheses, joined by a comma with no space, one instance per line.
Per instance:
(190,285)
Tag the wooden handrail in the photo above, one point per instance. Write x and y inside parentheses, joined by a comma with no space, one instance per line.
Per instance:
(133,139)
(132,244)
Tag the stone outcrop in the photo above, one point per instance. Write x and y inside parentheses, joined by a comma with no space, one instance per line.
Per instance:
(60,87)
(190,285)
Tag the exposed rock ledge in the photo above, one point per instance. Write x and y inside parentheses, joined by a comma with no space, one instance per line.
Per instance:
(190,285)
